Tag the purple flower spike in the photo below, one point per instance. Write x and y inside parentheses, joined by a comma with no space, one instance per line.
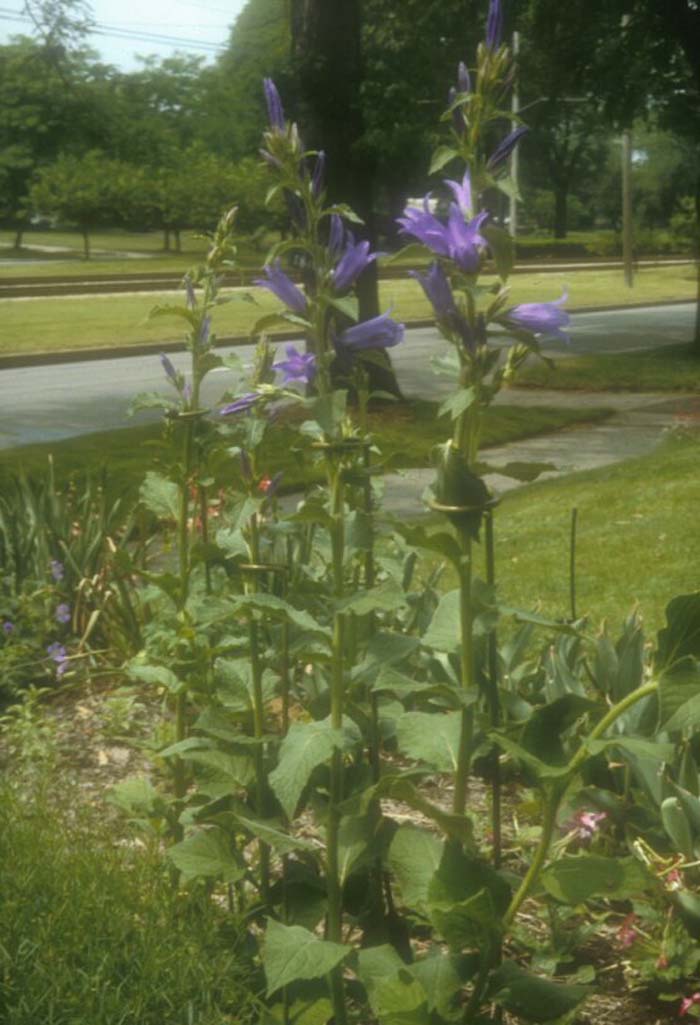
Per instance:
(464,243)
(275,112)
(462,191)
(506,147)
(544,319)
(378,333)
(494,25)
(353,261)
(463,80)
(241,405)
(318,176)
(63,613)
(189,291)
(424,226)
(298,367)
(57,570)
(204,332)
(283,287)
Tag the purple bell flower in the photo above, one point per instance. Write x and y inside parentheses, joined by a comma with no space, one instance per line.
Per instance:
(494,25)
(462,191)
(351,264)
(545,319)
(506,147)
(336,235)
(439,293)
(298,367)
(283,287)
(204,333)
(63,613)
(275,113)
(458,240)
(240,405)
(170,370)
(380,332)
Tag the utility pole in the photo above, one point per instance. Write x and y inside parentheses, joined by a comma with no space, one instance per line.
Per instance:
(627,241)
(515,107)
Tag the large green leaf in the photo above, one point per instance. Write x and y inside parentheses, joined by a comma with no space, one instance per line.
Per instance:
(444,632)
(681,635)
(431,738)
(439,541)
(414,858)
(441,157)
(395,996)
(207,854)
(158,676)
(356,840)
(679,695)
(276,608)
(306,746)
(386,597)
(270,832)
(576,878)
(472,922)
(502,246)
(161,496)
(467,899)
(677,826)
(543,732)
(400,788)
(292,953)
(532,997)
(438,976)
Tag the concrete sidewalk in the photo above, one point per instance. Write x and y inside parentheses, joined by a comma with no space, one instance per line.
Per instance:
(638,425)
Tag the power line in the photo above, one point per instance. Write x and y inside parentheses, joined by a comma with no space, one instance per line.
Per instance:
(128,35)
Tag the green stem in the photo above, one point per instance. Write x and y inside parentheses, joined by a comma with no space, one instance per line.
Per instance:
(572,564)
(552,805)
(466,617)
(494,701)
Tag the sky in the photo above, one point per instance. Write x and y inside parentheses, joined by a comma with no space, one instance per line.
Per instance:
(192,26)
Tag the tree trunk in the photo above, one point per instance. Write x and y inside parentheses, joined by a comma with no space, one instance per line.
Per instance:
(86,243)
(178,241)
(326,46)
(166,239)
(19,235)
(696,334)
(561,196)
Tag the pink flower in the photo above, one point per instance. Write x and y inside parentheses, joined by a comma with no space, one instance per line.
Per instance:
(586,823)
(687,1003)
(627,934)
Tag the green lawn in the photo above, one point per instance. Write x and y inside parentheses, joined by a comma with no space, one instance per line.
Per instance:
(638,537)
(406,433)
(40,325)
(670,368)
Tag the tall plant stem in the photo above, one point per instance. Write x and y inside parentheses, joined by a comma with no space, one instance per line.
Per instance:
(334,891)
(204,518)
(466,620)
(180,781)
(552,802)
(494,701)
(258,712)
(572,563)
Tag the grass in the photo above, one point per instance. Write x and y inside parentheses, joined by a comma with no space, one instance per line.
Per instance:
(51,324)
(92,932)
(406,433)
(638,532)
(671,368)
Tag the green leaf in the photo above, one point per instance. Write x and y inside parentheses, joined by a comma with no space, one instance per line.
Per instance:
(395,996)
(311,1011)
(675,822)
(542,735)
(306,746)
(356,841)
(206,854)
(276,608)
(542,771)
(444,632)
(573,879)
(534,998)
(400,788)
(273,836)
(161,496)
(471,922)
(433,541)
(171,310)
(414,858)
(431,738)
(456,403)
(329,410)
(467,899)
(679,695)
(394,682)
(236,770)
(681,635)
(157,676)
(386,597)
(438,976)
(502,246)
(292,953)
(441,157)
(522,471)
(348,306)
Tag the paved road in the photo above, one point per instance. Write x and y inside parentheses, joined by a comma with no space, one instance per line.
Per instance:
(60,401)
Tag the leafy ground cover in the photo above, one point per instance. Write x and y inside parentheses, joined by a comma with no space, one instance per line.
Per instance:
(406,433)
(48,324)
(670,368)
(92,931)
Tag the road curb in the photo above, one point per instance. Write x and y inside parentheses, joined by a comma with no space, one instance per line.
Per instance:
(16,361)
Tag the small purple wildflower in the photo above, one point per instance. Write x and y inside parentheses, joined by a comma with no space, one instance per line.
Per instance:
(380,332)
(8,627)
(58,654)
(63,613)
(544,319)
(494,25)
(170,370)
(586,823)
(298,367)
(275,112)
(283,287)
(58,570)
(506,147)
(241,405)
